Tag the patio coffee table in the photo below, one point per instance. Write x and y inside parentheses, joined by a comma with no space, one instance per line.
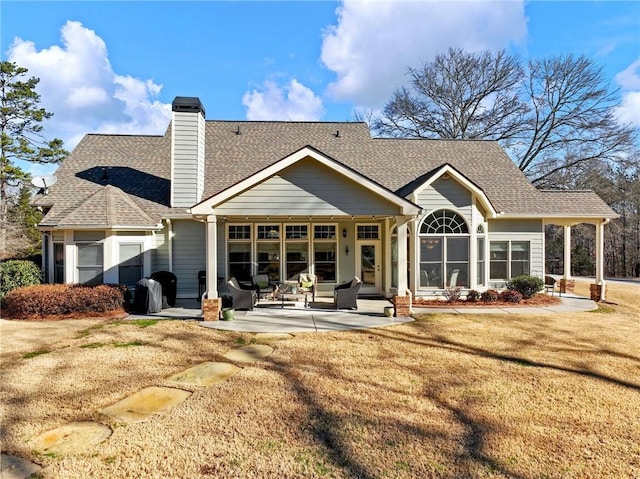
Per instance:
(290,292)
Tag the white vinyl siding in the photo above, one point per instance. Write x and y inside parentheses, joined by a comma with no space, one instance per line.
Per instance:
(160,252)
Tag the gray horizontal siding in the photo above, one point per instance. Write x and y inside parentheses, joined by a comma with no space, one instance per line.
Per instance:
(160,252)
(518,226)
(97,235)
(308,188)
(189,255)
(446,194)
(188,158)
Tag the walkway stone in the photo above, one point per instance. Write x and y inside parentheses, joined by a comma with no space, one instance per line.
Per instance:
(14,467)
(145,403)
(205,374)
(249,353)
(72,438)
(272,337)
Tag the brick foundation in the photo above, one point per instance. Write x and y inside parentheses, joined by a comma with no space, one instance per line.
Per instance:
(596,292)
(211,309)
(567,285)
(402,305)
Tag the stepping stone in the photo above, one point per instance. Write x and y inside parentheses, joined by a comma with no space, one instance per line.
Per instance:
(205,374)
(145,403)
(71,438)
(272,337)
(14,467)
(246,354)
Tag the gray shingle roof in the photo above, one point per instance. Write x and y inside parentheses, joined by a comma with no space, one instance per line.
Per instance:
(140,167)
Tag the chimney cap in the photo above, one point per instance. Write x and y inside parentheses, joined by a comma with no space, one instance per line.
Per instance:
(190,104)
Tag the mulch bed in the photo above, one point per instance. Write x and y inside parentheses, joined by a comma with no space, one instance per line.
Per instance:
(537,300)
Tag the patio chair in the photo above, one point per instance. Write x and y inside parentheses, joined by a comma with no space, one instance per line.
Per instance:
(550,285)
(308,282)
(345,295)
(453,280)
(242,297)
(263,285)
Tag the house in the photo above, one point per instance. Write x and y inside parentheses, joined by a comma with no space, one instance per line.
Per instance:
(235,198)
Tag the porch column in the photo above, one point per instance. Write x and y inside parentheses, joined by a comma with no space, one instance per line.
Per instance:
(212,303)
(566,283)
(69,257)
(402,301)
(597,290)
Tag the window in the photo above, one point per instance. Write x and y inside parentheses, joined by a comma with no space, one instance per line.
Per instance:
(368,232)
(58,262)
(239,250)
(297,259)
(480,275)
(509,259)
(325,247)
(130,265)
(269,259)
(268,232)
(90,263)
(444,250)
(519,258)
(239,232)
(297,232)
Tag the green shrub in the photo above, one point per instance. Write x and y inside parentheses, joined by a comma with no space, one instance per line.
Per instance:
(17,273)
(62,300)
(510,296)
(490,296)
(526,285)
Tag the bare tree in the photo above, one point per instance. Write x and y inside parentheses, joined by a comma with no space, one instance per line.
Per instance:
(553,118)
(571,122)
(458,95)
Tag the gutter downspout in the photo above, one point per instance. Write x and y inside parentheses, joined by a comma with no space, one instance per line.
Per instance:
(170,243)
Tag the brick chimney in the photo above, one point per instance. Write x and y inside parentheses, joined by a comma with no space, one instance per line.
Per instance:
(187,151)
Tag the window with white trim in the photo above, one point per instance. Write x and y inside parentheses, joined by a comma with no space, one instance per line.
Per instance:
(509,259)
(296,250)
(480,255)
(130,266)
(444,250)
(325,246)
(90,265)
(239,252)
(268,250)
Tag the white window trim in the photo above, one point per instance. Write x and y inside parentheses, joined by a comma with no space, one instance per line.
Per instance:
(488,261)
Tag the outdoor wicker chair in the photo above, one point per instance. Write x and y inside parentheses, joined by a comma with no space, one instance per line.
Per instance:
(242,298)
(263,285)
(345,295)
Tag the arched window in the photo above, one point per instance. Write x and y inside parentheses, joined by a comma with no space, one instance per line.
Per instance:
(444,250)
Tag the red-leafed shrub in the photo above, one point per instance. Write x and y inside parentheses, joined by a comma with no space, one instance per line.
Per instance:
(62,300)
(473,296)
(490,296)
(510,296)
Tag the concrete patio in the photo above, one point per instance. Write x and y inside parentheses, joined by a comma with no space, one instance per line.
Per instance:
(271,317)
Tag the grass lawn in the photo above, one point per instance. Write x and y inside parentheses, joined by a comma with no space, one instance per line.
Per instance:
(456,396)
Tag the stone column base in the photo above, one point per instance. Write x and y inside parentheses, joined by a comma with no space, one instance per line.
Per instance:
(211,309)
(596,292)
(567,285)
(402,305)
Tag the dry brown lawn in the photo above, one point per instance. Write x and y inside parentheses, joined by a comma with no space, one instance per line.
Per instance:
(468,396)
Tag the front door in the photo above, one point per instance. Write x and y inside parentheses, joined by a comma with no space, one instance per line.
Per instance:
(368,267)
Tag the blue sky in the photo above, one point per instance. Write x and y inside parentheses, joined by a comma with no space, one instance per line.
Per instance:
(114,67)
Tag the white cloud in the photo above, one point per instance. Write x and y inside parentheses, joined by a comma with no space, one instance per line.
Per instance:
(628,80)
(374,42)
(292,102)
(79,86)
